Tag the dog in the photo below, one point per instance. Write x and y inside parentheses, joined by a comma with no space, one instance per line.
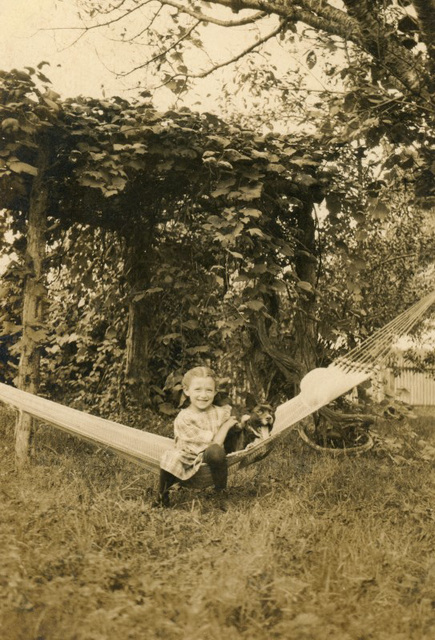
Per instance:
(254,425)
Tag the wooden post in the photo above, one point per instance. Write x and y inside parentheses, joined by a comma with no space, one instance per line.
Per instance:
(138,249)
(33,299)
(306,270)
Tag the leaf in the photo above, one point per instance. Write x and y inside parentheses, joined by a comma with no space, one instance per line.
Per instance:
(223,188)
(43,78)
(279,286)
(256,232)
(167,409)
(255,305)
(276,167)
(311,59)
(121,147)
(204,348)
(358,216)
(9,328)
(210,160)
(333,203)
(169,337)
(154,290)
(258,269)
(357,265)
(190,324)
(305,179)
(232,155)
(23,167)
(235,254)
(10,124)
(223,164)
(380,211)
(251,193)
(252,213)
(306,286)
(110,333)
(50,103)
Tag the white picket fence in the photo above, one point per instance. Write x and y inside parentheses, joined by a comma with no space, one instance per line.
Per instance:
(414,387)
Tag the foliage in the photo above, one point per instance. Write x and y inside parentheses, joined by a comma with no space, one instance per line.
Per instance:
(377,60)
(208,249)
(372,260)
(201,225)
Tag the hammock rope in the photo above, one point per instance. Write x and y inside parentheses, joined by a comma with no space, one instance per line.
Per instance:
(318,388)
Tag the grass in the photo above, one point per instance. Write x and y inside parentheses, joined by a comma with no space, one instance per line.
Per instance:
(310,547)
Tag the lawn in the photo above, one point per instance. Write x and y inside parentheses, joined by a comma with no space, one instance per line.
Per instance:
(310,547)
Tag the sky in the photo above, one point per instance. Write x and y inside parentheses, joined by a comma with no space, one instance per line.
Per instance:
(32,31)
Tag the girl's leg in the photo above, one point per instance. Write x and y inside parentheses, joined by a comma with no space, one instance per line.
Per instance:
(165,483)
(216,459)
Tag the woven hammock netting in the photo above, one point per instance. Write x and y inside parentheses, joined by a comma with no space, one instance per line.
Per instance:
(318,388)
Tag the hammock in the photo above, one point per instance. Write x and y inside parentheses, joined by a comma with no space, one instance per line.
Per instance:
(318,388)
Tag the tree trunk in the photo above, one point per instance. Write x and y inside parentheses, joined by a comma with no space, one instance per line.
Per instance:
(140,315)
(306,270)
(137,360)
(33,299)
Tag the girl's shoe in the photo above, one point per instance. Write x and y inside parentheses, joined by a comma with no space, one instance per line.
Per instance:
(221,496)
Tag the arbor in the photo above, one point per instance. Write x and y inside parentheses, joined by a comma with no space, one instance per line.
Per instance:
(167,234)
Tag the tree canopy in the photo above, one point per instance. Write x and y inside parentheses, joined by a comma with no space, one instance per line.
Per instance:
(378,56)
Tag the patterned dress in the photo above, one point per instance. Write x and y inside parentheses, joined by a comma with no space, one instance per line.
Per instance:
(194,432)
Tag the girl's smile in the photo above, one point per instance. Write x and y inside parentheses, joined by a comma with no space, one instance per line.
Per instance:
(201,392)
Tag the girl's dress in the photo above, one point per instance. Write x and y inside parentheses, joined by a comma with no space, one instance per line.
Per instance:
(194,432)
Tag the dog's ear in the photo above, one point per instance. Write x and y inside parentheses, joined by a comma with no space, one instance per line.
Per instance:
(250,401)
(221,399)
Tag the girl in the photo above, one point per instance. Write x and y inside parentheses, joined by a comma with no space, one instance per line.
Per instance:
(200,431)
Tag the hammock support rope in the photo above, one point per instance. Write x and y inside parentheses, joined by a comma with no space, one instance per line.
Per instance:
(318,388)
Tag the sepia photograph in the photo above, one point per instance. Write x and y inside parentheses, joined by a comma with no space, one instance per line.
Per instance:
(217,319)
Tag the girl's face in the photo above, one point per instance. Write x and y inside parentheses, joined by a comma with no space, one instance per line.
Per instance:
(201,392)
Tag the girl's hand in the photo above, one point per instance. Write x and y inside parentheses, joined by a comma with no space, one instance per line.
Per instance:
(223,430)
(231,422)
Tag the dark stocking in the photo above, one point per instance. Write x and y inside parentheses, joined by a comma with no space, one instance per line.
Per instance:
(216,459)
(165,483)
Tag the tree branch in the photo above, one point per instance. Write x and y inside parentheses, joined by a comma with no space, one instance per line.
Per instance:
(240,55)
(394,58)
(98,25)
(313,13)
(142,31)
(163,53)
(205,18)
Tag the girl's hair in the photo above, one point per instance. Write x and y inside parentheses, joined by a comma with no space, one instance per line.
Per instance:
(198,372)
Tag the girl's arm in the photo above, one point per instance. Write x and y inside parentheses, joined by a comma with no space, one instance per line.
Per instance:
(223,430)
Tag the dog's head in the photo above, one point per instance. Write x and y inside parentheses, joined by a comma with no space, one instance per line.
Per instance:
(254,423)
(258,419)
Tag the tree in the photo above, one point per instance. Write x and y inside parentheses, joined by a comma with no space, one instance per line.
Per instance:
(376,251)
(385,75)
